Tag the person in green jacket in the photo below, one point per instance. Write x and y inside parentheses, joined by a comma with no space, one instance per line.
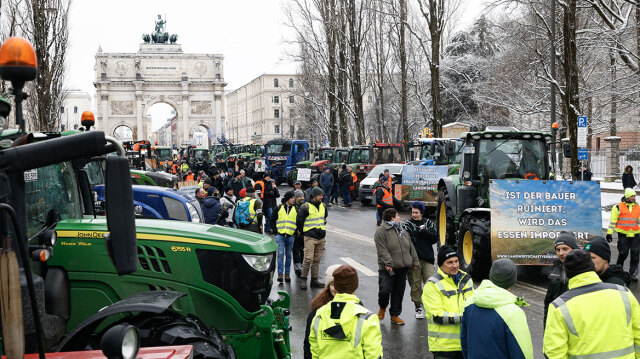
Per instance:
(343,328)
(493,321)
(592,319)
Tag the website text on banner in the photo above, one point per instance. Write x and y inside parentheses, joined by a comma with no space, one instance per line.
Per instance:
(419,183)
(528,215)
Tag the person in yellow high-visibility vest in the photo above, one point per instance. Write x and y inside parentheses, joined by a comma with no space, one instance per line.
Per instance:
(625,221)
(284,222)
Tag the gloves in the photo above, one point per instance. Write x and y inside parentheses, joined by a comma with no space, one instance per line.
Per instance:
(609,238)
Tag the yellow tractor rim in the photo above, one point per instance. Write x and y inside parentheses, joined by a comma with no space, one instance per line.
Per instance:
(442,224)
(467,247)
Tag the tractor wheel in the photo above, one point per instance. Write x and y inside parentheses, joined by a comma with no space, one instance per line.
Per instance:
(474,246)
(171,329)
(445,219)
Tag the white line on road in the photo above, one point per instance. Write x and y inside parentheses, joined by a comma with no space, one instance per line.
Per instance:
(355,264)
(334,229)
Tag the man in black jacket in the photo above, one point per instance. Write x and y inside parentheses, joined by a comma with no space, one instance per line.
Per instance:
(384,198)
(601,255)
(346,181)
(311,221)
(268,199)
(558,282)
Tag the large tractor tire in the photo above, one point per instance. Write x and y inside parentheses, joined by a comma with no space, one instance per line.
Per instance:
(474,246)
(169,329)
(445,219)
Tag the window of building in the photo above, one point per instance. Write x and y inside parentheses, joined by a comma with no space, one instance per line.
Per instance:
(276,99)
(290,99)
(276,113)
(61,109)
(275,83)
(276,129)
(75,109)
(291,83)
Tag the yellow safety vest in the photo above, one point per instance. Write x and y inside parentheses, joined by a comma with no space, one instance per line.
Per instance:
(593,320)
(184,167)
(315,219)
(359,337)
(444,303)
(286,223)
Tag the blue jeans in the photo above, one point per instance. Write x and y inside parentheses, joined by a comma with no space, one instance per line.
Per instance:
(335,193)
(285,249)
(267,212)
(346,196)
(327,194)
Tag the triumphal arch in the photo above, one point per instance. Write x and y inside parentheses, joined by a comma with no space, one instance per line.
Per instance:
(128,84)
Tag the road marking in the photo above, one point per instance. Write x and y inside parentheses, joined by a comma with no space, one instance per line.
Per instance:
(532,287)
(355,264)
(344,233)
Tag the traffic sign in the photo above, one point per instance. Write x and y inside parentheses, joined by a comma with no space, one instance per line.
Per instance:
(583,154)
(582,131)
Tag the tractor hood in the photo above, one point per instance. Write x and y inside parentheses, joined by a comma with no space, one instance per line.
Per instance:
(81,241)
(318,163)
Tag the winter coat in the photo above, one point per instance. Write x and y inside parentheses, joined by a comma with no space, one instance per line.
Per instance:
(379,194)
(422,239)
(230,203)
(558,284)
(394,247)
(628,181)
(326,180)
(615,275)
(345,179)
(270,195)
(211,209)
(237,187)
(303,213)
(494,326)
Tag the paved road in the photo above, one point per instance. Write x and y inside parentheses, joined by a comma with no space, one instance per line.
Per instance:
(350,240)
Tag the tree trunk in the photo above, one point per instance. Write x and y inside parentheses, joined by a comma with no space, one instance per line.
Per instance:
(342,78)
(355,35)
(328,13)
(435,31)
(403,73)
(572,98)
(614,96)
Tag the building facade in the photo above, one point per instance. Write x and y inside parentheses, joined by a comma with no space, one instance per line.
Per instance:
(76,102)
(263,109)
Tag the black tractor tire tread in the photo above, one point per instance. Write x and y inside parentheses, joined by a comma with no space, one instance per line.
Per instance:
(443,196)
(480,228)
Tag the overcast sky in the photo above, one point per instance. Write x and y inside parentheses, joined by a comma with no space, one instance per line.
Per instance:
(249,34)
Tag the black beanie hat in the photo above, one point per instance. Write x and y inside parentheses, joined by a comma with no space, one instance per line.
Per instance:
(446,253)
(600,247)
(567,238)
(578,261)
(287,196)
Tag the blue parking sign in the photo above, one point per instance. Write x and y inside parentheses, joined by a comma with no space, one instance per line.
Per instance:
(583,154)
(582,121)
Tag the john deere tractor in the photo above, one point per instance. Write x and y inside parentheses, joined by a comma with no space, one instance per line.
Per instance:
(463,212)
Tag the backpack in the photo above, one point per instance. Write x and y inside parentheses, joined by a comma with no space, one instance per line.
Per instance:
(242,215)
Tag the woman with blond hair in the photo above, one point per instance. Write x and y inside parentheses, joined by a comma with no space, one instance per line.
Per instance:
(324,297)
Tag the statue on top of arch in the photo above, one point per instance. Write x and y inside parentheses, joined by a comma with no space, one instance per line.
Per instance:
(159,36)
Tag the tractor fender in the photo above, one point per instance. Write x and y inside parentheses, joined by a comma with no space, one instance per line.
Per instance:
(447,183)
(477,212)
(147,208)
(156,301)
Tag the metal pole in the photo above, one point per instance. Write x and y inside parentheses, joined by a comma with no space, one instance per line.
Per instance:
(552,87)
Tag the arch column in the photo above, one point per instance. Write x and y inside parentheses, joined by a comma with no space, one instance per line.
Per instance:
(104,99)
(140,135)
(218,103)
(184,119)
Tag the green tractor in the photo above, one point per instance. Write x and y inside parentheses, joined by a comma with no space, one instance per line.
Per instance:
(463,210)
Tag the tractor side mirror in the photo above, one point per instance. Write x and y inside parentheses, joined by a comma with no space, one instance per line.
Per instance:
(450,149)
(567,151)
(121,240)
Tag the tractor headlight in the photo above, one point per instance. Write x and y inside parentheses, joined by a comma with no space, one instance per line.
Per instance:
(259,262)
(193,212)
(121,341)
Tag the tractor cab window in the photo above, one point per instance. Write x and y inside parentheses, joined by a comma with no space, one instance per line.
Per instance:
(387,155)
(52,187)
(163,154)
(279,149)
(511,158)
(326,155)
(434,151)
(359,155)
(202,154)
(95,173)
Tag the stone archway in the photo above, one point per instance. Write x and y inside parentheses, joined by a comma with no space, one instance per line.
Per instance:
(210,132)
(128,84)
(115,132)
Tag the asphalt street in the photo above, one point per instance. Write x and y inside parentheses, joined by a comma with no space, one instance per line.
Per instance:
(350,234)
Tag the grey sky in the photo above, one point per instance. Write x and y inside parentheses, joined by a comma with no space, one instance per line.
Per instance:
(249,33)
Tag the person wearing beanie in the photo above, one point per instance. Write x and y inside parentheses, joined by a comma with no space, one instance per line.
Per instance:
(249,207)
(284,222)
(564,243)
(600,253)
(384,198)
(311,221)
(324,297)
(298,237)
(625,217)
(343,327)
(396,256)
(268,194)
(326,183)
(423,235)
(592,319)
(346,181)
(237,184)
(443,298)
(228,201)
(314,184)
(493,321)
